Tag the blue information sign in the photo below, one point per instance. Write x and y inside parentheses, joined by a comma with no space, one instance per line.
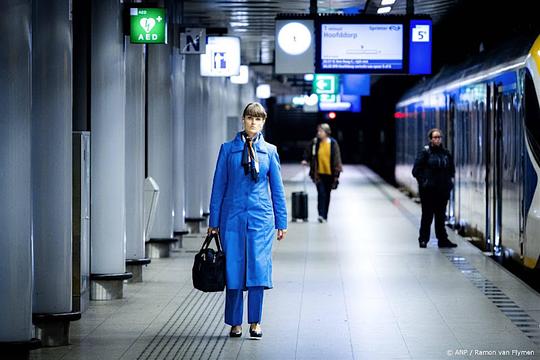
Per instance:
(420,47)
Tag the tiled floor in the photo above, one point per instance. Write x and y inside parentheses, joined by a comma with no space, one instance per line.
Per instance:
(357,287)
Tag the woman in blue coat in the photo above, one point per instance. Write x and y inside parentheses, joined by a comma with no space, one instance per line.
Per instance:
(247,216)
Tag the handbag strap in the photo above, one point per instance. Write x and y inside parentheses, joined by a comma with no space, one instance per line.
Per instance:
(208,240)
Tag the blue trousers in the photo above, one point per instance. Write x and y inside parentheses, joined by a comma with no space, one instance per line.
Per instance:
(234,305)
(324,187)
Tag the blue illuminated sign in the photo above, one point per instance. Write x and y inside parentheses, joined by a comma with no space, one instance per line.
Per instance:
(355,84)
(373,44)
(361,47)
(420,47)
(354,100)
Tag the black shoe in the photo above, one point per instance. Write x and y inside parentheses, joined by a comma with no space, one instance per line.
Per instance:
(235,332)
(446,244)
(423,244)
(255,333)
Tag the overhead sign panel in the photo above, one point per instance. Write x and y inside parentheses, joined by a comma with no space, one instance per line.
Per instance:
(420,47)
(243,77)
(222,56)
(373,44)
(193,41)
(295,46)
(326,84)
(362,46)
(148,26)
(356,84)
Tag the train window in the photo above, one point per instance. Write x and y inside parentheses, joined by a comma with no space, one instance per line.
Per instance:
(481,131)
(532,114)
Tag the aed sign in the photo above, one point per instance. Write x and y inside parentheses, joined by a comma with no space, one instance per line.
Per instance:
(326,84)
(148,26)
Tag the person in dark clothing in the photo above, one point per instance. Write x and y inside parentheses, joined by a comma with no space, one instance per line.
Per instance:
(434,170)
(324,157)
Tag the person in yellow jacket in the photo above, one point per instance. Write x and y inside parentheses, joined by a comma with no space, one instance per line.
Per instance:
(324,157)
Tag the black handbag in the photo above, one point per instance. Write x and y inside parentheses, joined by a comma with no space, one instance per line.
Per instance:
(208,271)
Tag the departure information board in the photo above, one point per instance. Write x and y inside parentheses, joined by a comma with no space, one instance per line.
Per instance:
(361,46)
(373,44)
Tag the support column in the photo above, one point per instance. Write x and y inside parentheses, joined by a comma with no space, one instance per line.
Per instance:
(108,81)
(203,171)
(193,145)
(215,124)
(135,160)
(51,171)
(160,146)
(15,186)
(179,88)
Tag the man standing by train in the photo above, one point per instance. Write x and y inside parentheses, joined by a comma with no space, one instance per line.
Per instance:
(434,170)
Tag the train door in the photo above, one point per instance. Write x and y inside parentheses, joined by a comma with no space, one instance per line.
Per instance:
(459,128)
(450,144)
(530,246)
(493,169)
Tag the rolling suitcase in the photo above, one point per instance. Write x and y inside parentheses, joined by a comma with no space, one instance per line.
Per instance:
(300,204)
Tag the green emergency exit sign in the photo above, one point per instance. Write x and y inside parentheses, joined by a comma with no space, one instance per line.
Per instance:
(148,26)
(326,84)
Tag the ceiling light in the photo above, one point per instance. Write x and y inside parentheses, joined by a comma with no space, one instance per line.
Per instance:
(387,2)
(384,10)
(243,78)
(238,24)
(263,91)
(309,77)
(239,17)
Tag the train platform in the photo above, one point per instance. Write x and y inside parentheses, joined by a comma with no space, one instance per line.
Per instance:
(356,287)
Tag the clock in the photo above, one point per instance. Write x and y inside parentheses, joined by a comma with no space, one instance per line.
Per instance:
(294,38)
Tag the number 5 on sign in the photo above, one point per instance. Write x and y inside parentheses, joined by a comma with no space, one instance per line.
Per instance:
(420,33)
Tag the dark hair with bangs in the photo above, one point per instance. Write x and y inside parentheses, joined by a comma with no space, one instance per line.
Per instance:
(254,109)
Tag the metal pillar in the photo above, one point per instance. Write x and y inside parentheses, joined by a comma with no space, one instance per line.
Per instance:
(216,123)
(108,228)
(204,148)
(160,143)
(180,228)
(51,171)
(410,7)
(135,160)
(15,184)
(195,138)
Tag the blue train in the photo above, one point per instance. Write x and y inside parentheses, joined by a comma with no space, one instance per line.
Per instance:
(488,111)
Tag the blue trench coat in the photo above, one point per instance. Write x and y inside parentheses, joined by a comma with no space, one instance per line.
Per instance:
(246,217)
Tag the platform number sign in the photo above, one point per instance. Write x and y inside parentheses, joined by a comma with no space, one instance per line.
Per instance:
(420,33)
(148,26)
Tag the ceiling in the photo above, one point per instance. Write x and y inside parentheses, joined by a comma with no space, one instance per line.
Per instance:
(253,20)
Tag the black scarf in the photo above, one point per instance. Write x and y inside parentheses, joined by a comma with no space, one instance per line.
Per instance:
(250,162)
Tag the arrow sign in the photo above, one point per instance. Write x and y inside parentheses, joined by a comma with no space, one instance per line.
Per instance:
(326,84)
